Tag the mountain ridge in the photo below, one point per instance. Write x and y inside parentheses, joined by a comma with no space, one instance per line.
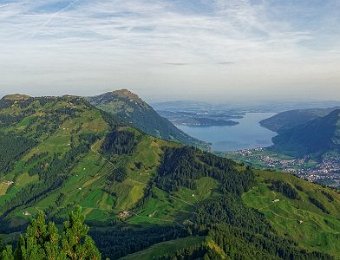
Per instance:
(133,110)
(292,118)
(137,191)
(315,137)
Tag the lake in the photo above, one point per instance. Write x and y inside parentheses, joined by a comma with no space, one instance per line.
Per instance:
(246,135)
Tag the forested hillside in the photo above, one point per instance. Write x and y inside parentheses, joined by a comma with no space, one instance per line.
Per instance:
(313,138)
(144,197)
(290,119)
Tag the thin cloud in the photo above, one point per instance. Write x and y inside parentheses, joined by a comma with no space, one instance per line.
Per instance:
(54,16)
(123,42)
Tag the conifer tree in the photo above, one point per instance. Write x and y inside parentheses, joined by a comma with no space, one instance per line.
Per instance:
(76,244)
(43,241)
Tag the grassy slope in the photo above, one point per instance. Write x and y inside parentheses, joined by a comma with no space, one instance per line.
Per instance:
(87,178)
(165,208)
(317,231)
(84,174)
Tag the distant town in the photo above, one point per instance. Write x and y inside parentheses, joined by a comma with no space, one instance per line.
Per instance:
(326,172)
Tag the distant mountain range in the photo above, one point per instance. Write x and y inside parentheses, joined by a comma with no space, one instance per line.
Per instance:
(145,197)
(306,132)
(133,110)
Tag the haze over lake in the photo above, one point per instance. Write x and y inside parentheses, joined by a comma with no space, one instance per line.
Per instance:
(246,135)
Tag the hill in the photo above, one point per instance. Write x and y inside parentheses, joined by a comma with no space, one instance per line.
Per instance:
(315,137)
(144,196)
(133,110)
(289,119)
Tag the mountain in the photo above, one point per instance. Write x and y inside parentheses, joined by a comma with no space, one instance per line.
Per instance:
(133,110)
(145,197)
(316,137)
(289,119)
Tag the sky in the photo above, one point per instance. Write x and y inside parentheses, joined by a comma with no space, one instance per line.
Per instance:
(224,50)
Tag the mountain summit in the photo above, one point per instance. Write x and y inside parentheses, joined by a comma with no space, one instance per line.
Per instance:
(130,108)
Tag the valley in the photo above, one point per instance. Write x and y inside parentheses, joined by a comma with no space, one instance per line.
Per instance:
(144,196)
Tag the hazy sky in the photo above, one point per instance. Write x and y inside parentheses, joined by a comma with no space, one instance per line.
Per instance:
(176,49)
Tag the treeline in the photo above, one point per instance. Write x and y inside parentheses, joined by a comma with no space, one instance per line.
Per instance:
(181,167)
(11,148)
(200,251)
(120,241)
(284,188)
(328,196)
(239,243)
(229,209)
(119,142)
(318,204)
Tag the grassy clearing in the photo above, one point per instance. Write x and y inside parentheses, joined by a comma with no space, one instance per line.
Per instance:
(161,208)
(205,187)
(25,179)
(129,192)
(4,187)
(164,208)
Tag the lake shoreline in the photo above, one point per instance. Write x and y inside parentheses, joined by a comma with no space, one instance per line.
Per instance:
(247,134)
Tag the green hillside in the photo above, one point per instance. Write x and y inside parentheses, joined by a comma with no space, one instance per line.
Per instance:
(290,119)
(315,137)
(310,216)
(133,110)
(146,197)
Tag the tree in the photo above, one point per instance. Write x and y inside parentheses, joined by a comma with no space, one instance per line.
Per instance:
(7,253)
(76,243)
(43,241)
(40,241)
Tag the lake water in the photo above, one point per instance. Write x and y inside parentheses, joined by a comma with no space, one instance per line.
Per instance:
(246,135)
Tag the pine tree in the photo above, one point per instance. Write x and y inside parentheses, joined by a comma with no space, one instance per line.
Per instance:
(40,241)
(7,253)
(43,241)
(76,244)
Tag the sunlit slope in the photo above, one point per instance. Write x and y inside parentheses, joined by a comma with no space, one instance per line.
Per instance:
(65,152)
(305,212)
(56,160)
(302,212)
(133,110)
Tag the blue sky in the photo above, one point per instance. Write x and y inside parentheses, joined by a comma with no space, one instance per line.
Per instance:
(225,50)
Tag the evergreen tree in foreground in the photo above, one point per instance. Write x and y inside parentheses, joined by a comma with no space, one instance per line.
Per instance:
(43,241)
